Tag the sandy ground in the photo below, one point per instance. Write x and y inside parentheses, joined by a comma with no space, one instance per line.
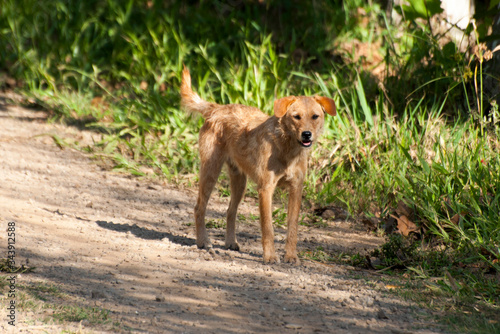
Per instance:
(126,245)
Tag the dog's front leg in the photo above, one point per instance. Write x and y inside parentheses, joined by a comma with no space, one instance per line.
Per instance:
(294,201)
(266,223)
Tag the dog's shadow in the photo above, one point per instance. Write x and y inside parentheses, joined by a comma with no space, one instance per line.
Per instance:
(145,233)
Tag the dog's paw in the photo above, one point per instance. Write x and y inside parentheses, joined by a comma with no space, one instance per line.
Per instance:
(204,245)
(292,259)
(270,259)
(233,246)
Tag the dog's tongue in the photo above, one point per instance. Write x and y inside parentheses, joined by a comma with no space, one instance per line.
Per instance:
(306,143)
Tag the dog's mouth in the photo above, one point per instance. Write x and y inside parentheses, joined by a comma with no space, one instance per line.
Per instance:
(306,143)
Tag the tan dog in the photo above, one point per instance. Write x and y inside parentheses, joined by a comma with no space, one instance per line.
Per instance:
(270,150)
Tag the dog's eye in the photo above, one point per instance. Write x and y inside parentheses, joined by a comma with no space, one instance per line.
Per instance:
(297,117)
(315,116)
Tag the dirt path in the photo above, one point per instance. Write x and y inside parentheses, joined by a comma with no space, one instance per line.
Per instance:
(104,241)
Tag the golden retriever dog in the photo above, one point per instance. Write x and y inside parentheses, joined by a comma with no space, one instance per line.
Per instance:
(271,150)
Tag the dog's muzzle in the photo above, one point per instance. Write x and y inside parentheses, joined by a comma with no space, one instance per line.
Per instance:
(306,139)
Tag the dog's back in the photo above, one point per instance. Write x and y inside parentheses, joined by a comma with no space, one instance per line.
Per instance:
(230,121)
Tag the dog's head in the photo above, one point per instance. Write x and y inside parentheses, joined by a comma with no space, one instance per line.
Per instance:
(303,116)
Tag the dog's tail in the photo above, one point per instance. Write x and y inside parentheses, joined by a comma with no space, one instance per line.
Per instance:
(192,102)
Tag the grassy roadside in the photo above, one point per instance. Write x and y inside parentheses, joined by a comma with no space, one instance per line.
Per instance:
(53,307)
(458,296)
(413,150)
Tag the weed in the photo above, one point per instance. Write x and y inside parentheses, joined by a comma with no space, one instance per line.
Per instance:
(43,292)
(319,254)
(93,315)
(249,219)
(48,299)
(6,266)
(396,251)
(279,217)
(312,220)
(216,223)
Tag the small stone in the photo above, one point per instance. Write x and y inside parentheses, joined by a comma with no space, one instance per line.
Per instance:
(206,311)
(327,214)
(368,301)
(97,295)
(381,314)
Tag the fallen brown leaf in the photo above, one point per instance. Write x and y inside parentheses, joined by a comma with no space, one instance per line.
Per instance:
(405,226)
(391,287)
(452,281)
(455,219)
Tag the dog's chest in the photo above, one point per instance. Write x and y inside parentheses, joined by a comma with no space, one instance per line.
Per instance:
(293,173)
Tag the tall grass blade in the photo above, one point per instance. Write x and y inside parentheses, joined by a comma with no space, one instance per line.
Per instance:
(362,100)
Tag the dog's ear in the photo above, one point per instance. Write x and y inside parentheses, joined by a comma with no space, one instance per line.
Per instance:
(281,105)
(327,104)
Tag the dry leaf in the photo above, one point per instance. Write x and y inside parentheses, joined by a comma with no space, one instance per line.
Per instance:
(405,226)
(455,219)
(391,287)
(144,85)
(452,281)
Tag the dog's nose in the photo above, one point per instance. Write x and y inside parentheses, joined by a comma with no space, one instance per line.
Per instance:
(306,135)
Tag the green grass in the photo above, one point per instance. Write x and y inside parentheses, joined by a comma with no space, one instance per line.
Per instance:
(422,133)
(460,297)
(51,304)
(94,315)
(457,313)
(320,255)
(216,223)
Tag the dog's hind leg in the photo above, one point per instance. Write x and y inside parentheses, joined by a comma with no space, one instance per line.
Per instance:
(238,186)
(211,165)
